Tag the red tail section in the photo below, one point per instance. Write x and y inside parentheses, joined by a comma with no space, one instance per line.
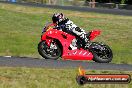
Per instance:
(94,33)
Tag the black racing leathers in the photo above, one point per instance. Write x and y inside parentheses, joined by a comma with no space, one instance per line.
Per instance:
(69,27)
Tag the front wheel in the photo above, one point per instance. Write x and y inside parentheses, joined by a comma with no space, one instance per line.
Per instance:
(102,53)
(49,52)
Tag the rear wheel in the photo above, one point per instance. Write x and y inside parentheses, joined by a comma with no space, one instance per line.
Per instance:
(49,52)
(102,53)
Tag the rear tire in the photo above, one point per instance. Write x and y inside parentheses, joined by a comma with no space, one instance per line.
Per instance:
(47,54)
(102,56)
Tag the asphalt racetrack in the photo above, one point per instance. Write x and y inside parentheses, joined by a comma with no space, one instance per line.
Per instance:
(59,64)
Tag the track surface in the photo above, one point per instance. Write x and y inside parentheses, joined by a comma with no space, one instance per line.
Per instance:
(44,63)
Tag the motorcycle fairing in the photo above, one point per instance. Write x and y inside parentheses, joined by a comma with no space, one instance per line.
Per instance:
(65,39)
(77,55)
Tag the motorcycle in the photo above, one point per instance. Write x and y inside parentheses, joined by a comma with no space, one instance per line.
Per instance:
(56,43)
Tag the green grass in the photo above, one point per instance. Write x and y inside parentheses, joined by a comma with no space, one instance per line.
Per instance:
(50,78)
(20,30)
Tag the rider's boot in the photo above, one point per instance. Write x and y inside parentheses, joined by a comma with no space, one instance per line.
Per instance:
(86,41)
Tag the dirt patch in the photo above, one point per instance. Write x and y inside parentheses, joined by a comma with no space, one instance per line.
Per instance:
(3,78)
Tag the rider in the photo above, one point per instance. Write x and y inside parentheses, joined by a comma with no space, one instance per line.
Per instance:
(68,26)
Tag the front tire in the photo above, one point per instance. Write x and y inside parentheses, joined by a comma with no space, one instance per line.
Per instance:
(46,52)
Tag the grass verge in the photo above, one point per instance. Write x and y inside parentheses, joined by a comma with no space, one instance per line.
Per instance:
(50,78)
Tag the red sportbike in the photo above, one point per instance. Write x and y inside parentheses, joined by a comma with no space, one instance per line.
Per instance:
(55,43)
